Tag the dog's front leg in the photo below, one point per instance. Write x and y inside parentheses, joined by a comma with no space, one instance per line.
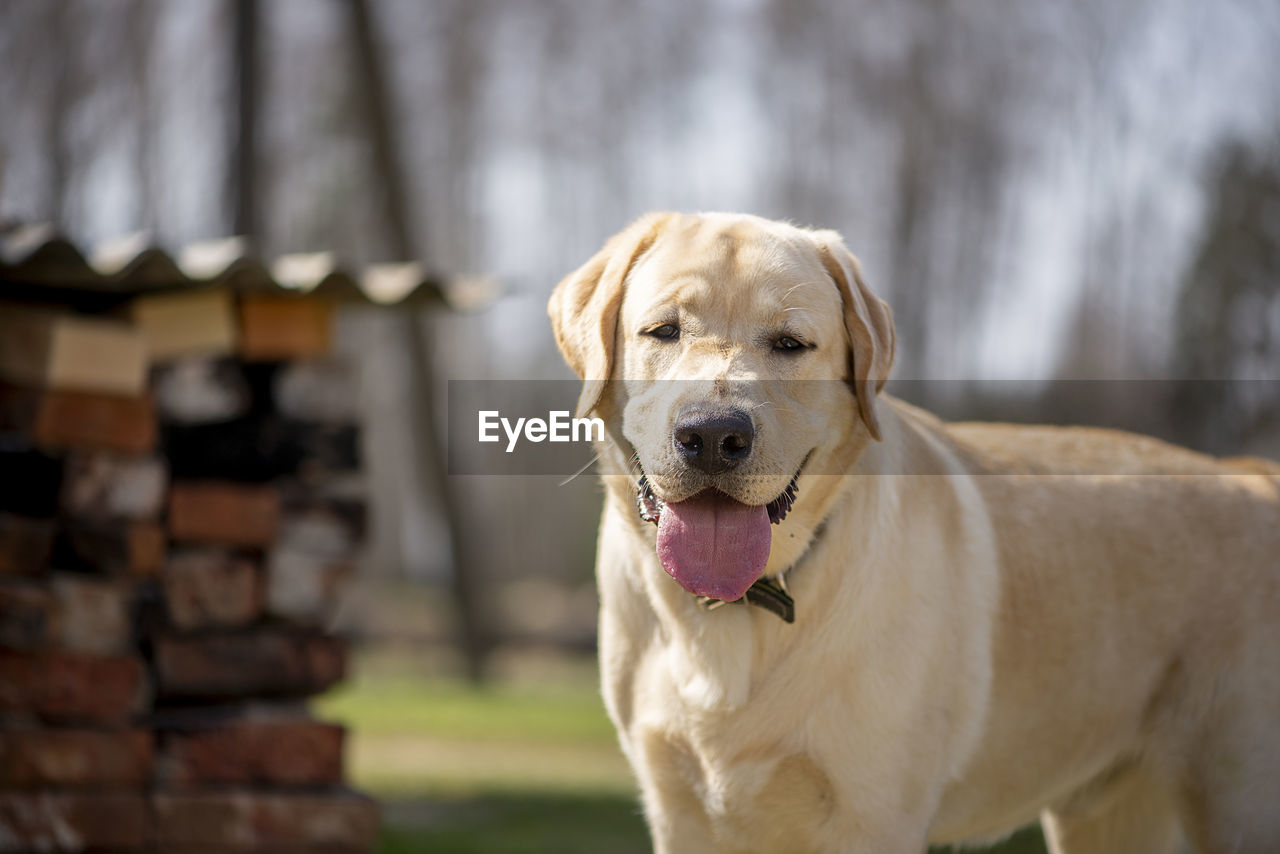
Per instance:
(768,805)
(680,826)
(680,829)
(672,790)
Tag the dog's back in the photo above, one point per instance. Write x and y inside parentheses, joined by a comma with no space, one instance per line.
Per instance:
(1148,576)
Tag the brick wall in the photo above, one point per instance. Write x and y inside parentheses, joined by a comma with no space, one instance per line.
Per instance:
(180,504)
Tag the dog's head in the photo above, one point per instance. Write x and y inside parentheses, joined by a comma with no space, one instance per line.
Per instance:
(732,358)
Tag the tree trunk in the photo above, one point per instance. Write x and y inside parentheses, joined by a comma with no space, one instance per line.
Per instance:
(473,639)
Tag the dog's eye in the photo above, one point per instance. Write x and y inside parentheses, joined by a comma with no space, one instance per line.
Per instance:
(787,344)
(665,332)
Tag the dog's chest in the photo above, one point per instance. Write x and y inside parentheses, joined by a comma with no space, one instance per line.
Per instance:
(731,766)
(750,798)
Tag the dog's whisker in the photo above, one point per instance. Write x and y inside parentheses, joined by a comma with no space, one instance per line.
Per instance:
(785,410)
(595,458)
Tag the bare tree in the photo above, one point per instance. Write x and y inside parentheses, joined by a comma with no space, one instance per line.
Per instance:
(142,24)
(474,641)
(1228,319)
(243,147)
(58,25)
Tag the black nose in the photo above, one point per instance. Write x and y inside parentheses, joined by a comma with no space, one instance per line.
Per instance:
(714,440)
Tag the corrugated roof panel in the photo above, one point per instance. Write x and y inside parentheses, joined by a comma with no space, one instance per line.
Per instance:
(39,264)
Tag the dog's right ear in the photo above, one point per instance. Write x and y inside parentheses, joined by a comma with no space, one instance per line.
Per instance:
(584,306)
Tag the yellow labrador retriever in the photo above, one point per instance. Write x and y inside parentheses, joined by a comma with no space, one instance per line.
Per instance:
(963,626)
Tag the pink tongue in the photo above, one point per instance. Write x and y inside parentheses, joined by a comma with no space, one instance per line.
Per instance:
(713,545)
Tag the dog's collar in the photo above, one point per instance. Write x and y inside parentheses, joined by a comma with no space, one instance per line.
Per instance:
(768,593)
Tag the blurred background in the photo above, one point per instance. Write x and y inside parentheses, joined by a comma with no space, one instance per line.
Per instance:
(1043,193)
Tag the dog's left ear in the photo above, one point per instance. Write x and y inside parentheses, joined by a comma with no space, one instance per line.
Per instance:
(868,322)
(584,306)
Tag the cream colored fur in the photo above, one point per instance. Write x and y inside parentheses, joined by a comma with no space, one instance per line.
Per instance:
(980,639)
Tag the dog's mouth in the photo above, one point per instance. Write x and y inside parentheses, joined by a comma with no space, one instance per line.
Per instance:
(651,506)
(712,544)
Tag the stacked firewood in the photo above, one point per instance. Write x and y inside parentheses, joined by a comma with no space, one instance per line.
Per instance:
(180,502)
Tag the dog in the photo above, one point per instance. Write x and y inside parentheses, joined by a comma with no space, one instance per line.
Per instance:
(961,627)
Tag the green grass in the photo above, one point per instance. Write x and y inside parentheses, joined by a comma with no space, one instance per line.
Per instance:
(1026,841)
(521,824)
(392,698)
(526,765)
(418,732)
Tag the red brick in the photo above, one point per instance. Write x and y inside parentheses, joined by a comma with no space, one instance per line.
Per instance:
(146,548)
(103,485)
(248,820)
(25,544)
(92,615)
(59,420)
(38,758)
(136,549)
(260,663)
(58,686)
(206,588)
(224,513)
(74,822)
(282,329)
(67,613)
(26,614)
(289,752)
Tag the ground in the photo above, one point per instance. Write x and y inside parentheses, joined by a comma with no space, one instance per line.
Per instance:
(526,765)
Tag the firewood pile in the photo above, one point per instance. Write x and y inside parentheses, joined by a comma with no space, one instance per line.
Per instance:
(180,503)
